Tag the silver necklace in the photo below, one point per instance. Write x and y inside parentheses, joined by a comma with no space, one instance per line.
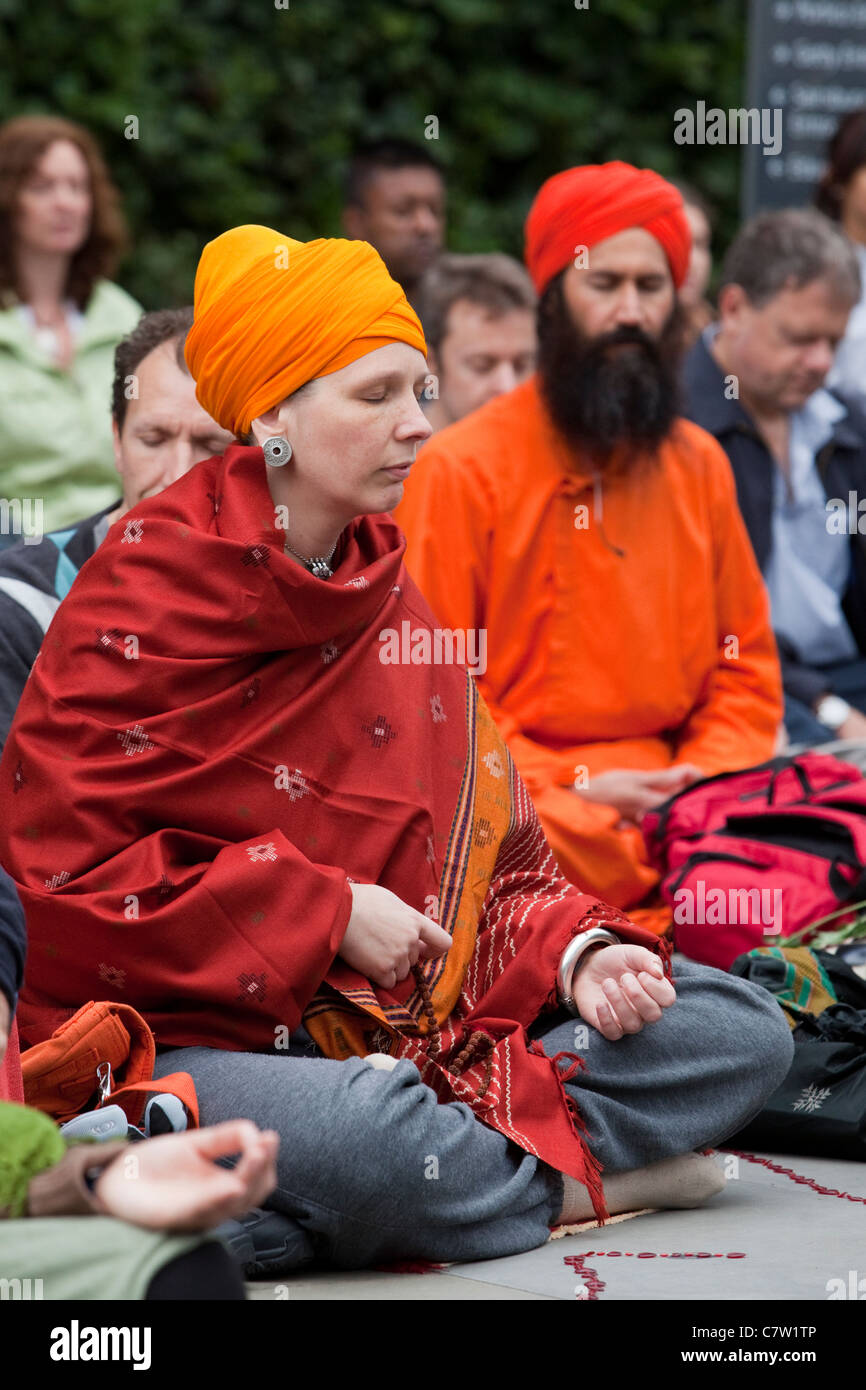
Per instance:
(318,565)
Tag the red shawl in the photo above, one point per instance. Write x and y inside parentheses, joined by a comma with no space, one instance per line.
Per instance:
(209,745)
(11,1083)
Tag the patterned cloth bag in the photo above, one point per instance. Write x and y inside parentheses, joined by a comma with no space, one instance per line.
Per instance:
(820,1107)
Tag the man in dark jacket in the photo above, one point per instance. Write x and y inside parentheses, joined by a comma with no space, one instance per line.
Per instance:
(798,451)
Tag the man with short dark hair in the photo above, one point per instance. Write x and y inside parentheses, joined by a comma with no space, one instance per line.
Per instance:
(479,324)
(395,199)
(160,431)
(595,538)
(798,451)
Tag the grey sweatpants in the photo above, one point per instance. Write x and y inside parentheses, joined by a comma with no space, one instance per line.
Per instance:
(374,1169)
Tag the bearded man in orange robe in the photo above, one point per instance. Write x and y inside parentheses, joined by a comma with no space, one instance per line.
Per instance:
(592,538)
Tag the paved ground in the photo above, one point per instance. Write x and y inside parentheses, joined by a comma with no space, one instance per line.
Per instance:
(766,1236)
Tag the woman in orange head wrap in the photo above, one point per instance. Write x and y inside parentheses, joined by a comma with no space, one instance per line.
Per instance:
(284,820)
(273,315)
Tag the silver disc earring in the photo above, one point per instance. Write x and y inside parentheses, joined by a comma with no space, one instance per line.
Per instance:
(277,451)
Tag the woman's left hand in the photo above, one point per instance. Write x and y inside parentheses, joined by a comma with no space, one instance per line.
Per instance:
(619,989)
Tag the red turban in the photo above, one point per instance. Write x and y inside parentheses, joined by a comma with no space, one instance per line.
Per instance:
(582,206)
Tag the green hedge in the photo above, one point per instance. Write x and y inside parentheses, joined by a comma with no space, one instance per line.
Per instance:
(247,112)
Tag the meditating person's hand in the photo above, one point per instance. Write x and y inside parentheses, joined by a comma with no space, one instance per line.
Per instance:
(853,727)
(172,1183)
(635,792)
(5,1024)
(618,989)
(385,937)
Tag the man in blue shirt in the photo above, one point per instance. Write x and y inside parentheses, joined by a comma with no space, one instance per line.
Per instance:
(755,381)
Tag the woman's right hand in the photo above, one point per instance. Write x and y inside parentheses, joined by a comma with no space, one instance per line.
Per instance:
(385,937)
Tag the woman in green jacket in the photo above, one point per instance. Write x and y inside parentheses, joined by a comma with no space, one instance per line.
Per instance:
(61,232)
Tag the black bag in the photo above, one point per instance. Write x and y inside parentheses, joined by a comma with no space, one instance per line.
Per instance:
(820,1107)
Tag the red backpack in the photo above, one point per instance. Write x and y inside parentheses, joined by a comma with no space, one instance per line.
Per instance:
(751,856)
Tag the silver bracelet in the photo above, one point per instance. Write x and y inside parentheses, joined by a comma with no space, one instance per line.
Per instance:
(571,955)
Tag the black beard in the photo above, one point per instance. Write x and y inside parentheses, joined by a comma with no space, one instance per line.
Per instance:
(606,403)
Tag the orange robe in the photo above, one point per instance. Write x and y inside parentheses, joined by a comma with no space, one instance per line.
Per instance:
(627,624)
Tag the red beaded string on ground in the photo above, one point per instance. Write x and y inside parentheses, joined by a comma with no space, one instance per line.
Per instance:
(591,1282)
(796,1177)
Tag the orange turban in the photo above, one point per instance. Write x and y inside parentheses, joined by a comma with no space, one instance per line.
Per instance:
(582,206)
(271,313)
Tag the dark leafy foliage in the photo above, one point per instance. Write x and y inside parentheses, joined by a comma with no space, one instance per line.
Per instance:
(247,112)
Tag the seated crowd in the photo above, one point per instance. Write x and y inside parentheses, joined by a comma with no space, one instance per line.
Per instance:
(387,913)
